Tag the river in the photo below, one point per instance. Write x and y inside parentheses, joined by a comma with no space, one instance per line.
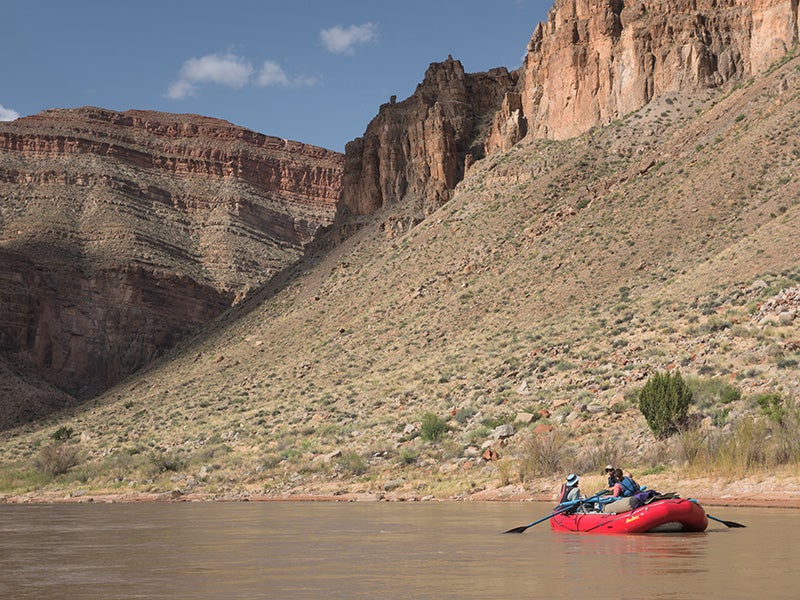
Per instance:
(379,550)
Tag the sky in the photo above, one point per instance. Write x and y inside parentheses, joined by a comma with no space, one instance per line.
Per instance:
(310,71)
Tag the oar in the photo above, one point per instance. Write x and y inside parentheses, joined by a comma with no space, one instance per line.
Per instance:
(570,506)
(726,523)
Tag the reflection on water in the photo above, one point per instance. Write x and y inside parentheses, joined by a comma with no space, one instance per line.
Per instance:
(380,550)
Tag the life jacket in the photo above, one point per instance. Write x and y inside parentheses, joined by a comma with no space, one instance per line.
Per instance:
(562,495)
(629,486)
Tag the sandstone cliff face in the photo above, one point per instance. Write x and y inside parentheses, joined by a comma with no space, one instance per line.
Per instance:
(120,233)
(415,151)
(597,60)
(591,62)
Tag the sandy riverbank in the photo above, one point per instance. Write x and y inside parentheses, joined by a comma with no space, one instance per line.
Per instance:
(767,492)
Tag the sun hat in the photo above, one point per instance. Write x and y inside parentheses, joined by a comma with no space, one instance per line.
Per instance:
(572,479)
(609,468)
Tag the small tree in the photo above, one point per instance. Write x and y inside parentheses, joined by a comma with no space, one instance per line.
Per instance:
(664,402)
(432,427)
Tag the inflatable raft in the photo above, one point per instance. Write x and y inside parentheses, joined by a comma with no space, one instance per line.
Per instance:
(672,514)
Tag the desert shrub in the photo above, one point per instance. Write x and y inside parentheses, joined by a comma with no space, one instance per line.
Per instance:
(163,461)
(56,459)
(62,434)
(465,414)
(664,401)
(21,478)
(784,441)
(433,427)
(692,448)
(408,456)
(594,457)
(505,468)
(352,463)
(120,464)
(711,391)
(541,454)
(771,405)
(497,420)
(209,452)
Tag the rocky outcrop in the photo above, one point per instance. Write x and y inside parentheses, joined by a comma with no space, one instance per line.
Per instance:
(509,125)
(415,151)
(596,60)
(121,233)
(591,62)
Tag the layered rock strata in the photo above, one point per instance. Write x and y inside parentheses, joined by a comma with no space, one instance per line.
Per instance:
(121,233)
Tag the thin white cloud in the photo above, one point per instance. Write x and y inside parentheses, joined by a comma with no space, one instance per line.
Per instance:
(232,71)
(6,114)
(228,70)
(341,40)
(273,74)
(180,89)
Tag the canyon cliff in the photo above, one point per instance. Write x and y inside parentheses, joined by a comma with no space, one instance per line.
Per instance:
(591,62)
(121,233)
(417,150)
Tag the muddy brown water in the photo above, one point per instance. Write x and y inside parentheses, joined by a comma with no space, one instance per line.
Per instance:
(379,550)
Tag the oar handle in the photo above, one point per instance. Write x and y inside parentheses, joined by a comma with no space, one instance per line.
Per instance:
(570,505)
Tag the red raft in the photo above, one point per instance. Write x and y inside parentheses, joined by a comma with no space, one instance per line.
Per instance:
(674,514)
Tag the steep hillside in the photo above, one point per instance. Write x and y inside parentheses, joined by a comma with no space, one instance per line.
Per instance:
(554,281)
(121,233)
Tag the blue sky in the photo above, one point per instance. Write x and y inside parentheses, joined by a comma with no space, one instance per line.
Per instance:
(311,71)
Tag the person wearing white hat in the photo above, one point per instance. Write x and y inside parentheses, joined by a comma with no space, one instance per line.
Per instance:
(610,474)
(570,490)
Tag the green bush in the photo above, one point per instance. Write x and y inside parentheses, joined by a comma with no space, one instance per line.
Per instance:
(709,392)
(62,434)
(664,401)
(771,405)
(432,428)
(408,456)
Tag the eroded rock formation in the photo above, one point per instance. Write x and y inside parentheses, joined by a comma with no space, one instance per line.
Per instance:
(415,151)
(120,233)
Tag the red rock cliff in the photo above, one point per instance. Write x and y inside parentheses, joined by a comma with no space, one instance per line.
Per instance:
(592,61)
(595,60)
(120,233)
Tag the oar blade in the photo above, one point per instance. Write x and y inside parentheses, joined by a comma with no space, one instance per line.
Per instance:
(732,524)
(517,529)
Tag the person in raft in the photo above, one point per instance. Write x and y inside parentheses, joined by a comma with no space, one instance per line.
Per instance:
(624,489)
(610,474)
(624,485)
(570,490)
